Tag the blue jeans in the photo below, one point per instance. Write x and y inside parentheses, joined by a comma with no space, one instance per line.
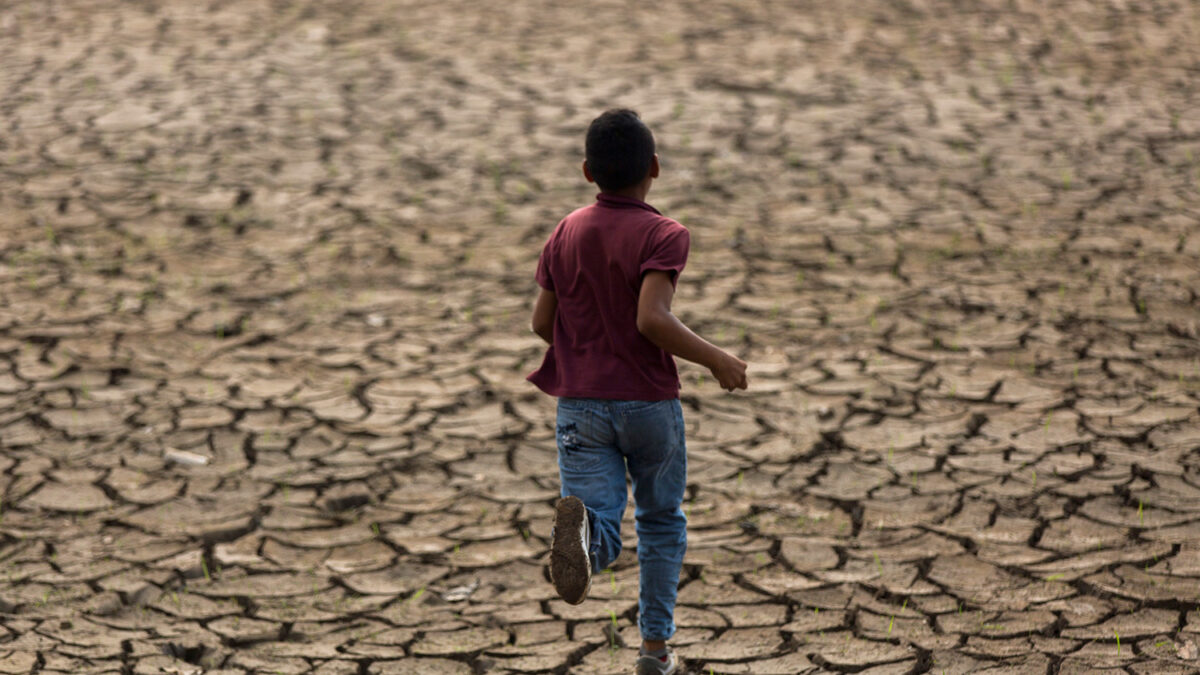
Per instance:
(598,439)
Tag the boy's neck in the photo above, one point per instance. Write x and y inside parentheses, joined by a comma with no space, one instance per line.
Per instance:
(637,192)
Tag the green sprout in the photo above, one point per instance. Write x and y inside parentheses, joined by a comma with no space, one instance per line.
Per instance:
(612,638)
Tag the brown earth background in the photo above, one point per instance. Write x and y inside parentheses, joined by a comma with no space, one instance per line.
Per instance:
(265,277)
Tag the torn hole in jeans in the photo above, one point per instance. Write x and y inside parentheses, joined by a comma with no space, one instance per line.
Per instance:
(567,439)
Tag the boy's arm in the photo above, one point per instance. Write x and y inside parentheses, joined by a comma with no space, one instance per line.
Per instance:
(543,315)
(656,322)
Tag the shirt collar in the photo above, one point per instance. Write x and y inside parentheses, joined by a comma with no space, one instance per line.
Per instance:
(619,202)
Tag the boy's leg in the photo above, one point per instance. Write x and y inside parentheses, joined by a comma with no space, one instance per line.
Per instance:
(590,467)
(651,434)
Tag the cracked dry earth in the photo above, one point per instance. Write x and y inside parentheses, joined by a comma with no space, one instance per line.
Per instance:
(265,276)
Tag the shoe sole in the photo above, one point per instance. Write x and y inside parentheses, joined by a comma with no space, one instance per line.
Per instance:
(570,568)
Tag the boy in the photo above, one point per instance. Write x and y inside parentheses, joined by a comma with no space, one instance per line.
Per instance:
(607,277)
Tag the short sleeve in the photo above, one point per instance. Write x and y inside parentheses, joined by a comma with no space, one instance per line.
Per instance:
(668,253)
(542,276)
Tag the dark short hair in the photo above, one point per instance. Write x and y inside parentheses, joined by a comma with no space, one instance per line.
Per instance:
(619,149)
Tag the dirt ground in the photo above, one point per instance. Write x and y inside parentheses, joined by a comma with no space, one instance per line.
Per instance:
(265,276)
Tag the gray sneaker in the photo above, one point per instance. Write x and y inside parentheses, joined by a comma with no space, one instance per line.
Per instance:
(570,564)
(653,665)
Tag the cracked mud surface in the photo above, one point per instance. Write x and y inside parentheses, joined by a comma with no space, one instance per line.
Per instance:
(265,273)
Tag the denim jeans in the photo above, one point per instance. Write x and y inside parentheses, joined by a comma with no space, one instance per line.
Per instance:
(598,440)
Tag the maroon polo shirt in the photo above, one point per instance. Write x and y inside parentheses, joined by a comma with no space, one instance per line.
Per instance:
(594,262)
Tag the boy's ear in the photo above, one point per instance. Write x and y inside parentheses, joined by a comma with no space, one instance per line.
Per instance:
(654,166)
(587,174)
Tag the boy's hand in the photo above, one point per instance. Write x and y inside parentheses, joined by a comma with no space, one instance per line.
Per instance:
(730,371)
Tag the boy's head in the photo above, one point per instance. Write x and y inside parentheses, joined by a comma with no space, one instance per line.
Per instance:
(619,150)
